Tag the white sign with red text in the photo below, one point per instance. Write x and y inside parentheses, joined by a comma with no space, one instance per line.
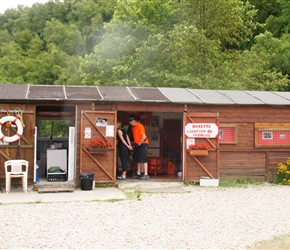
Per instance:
(201,130)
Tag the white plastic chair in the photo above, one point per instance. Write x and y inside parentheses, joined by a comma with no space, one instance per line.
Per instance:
(16,169)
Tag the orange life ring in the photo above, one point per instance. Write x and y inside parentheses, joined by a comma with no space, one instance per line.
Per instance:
(19,132)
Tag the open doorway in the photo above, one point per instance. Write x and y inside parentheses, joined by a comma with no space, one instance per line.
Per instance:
(54,125)
(164,131)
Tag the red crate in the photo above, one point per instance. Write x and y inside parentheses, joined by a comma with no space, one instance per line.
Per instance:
(156,165)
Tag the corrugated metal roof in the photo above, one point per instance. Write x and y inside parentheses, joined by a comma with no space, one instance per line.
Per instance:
(116,93)
(13,91)
(82,93)
(141,94)
(285,95)
(149,94)
(269,98)
(211,96)
(180,95)
(46,92)
(241,97)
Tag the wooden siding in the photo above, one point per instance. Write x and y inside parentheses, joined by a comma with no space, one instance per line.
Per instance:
(196,167)
(89,166)
(243,159)
(26,148)
(243,165)
(235,159)
(102,165)
(150,107)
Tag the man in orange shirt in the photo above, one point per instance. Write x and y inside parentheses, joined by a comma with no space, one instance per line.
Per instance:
(141,144)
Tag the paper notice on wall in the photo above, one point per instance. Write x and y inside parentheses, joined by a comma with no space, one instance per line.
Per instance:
(110,131)
(88,133)
(189,141)
(101,122)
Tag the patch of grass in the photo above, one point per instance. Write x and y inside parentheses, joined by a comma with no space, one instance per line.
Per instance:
(104,185)
(240,182)
(109,200)
(99,185)
(133,193)
(138,195)
(191,183)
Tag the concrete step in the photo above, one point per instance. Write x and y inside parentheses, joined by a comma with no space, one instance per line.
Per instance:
(59,186)
(55,190)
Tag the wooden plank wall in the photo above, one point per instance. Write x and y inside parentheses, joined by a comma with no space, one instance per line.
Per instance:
(243,164)
(244,160)
(196,167)
(236,160)
(102,165)
(80,107)
(26,148)
(89,165)
(195,171)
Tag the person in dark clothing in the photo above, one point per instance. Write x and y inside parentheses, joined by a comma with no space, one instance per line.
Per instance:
(124,145)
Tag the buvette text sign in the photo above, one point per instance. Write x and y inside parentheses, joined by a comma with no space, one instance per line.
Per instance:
(201,130)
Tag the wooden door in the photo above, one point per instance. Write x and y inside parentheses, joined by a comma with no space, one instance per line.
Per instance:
(98,125)
(196,167)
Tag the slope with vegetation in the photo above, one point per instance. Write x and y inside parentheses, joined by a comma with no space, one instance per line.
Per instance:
(221,44)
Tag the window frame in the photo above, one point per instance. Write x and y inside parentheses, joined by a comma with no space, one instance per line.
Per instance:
(270,127)
(229,125)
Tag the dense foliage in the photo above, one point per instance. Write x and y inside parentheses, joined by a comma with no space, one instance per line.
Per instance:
(221,44)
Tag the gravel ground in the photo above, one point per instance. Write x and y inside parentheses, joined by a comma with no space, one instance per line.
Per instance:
(203,218)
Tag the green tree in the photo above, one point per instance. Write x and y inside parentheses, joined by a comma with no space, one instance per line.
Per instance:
(219,44)
(134,30)
(12,63)
(67,37)
(87,16)
(23,38)
(4,37)
(175,44)
(274,54)
(50,38)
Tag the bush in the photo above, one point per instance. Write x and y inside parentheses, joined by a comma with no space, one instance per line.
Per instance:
(282,176)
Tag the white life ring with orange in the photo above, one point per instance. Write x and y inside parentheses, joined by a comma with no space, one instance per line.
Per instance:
(19,132)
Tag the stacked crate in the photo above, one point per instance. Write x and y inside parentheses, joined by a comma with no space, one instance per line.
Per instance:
(156,165)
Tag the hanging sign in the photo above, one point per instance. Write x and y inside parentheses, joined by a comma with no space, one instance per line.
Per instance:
(201,130)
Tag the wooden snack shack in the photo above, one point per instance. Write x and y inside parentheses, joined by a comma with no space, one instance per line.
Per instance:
(246,133)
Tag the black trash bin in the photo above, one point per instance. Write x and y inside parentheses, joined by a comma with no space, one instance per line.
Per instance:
(86,181)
